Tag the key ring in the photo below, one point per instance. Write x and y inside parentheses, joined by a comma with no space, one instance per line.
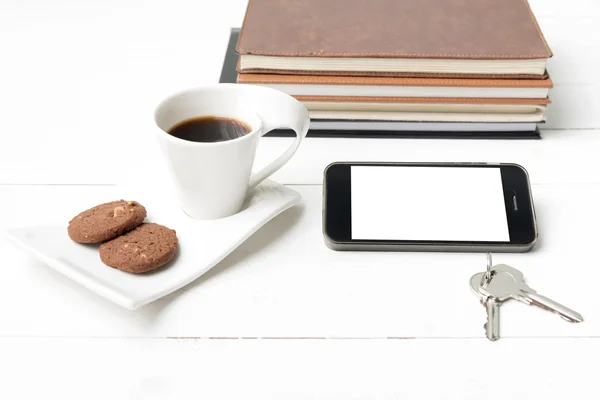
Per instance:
(487,277)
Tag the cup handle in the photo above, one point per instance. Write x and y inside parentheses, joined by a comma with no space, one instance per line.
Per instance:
(279,110)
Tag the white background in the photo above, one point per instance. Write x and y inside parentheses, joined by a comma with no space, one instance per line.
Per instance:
(428,203)
(283,316)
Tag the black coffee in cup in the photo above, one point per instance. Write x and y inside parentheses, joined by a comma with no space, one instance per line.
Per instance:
(210,129)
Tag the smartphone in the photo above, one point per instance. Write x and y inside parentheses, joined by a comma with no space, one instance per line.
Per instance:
(469,207)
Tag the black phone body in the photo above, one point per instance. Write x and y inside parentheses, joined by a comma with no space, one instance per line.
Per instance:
(470,207)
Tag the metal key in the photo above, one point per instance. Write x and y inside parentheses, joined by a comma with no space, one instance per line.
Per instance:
(492,306)
(492,326)
(508,283)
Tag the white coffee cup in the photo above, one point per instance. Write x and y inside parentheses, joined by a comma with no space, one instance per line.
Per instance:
(213,178)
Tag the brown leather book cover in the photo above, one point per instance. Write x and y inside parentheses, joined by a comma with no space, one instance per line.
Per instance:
(274,79)
(416,31)
(421,100)
(391,74)
(445,29)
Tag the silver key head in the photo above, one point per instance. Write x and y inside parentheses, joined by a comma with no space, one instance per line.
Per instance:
(506,283)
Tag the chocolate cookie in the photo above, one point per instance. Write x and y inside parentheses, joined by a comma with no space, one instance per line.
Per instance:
(147,247)
(106,221)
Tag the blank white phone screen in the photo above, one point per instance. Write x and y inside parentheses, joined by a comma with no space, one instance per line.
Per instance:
(428,203)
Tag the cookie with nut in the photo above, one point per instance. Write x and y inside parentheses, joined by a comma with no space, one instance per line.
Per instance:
(106,221)
(146,248)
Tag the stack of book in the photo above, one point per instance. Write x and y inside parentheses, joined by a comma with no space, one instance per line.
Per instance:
(443,66)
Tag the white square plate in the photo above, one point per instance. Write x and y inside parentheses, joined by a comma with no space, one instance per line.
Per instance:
(202,244)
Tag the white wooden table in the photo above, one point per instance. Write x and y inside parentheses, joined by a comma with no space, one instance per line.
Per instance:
(283,316)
